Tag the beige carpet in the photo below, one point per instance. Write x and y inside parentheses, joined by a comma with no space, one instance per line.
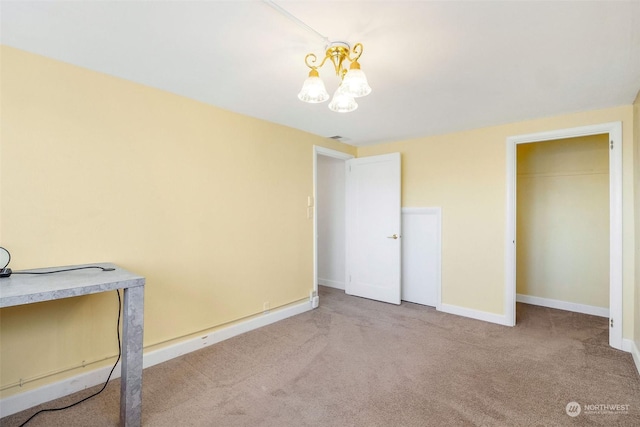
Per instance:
(356,362)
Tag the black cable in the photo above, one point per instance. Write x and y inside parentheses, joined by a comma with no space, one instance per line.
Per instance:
(66,269)
(106,382)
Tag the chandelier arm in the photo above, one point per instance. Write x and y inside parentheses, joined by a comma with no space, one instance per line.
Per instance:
(357,51)
(313,57)
(314,60)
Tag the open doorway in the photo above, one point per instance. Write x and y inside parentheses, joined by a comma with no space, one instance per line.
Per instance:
(371,232)
(329,221)
(562,224)
(613,134)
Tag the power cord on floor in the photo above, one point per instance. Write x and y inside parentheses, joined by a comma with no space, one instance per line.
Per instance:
(108,378)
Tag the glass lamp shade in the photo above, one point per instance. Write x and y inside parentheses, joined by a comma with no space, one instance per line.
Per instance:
(313,90)
(355,82)
(342,102)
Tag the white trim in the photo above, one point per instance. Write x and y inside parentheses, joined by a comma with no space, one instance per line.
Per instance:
(563,305)
(614,129)
(437,211)
(500,319)
(510,236)
(631,347)
(167,353)
(321,151)
(332,153)
(615,235)
(19,402)
(422,211)
(331,283)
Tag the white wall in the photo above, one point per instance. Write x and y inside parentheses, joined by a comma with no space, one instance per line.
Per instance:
(330,208)
(563,220)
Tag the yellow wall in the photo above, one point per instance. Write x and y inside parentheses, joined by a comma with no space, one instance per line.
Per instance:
(465,174)
(563,220)
(210,206)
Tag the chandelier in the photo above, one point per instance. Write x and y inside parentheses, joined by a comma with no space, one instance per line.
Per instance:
(353,82)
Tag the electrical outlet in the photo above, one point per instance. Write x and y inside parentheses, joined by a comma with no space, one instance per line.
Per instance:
(266,307)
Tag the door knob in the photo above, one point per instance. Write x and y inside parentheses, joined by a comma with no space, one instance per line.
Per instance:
(394,237)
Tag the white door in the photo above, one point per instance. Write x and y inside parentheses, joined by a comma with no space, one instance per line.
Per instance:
(373,227)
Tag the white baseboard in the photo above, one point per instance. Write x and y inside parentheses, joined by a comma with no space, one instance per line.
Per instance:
(19,402)
(331,283)
(631,347)
(500,319)
(563,305)
(167,353)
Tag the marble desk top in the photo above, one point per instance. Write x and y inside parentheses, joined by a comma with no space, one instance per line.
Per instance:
(26,288)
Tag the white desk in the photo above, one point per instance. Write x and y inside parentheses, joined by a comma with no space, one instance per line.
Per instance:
(22,289)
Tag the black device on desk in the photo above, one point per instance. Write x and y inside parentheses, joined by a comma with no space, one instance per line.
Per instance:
(5,257)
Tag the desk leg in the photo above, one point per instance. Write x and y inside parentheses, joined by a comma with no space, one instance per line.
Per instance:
(131,368)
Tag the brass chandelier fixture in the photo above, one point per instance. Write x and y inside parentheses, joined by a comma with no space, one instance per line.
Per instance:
(353,80)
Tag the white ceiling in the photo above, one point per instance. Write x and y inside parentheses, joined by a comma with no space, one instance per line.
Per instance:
(435,67)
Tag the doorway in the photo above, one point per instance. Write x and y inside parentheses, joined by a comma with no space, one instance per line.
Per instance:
(368,211)
(562,225)
(329,188)
(614,134)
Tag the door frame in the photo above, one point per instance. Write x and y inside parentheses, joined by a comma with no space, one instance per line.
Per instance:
(321,151)
(614,130)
